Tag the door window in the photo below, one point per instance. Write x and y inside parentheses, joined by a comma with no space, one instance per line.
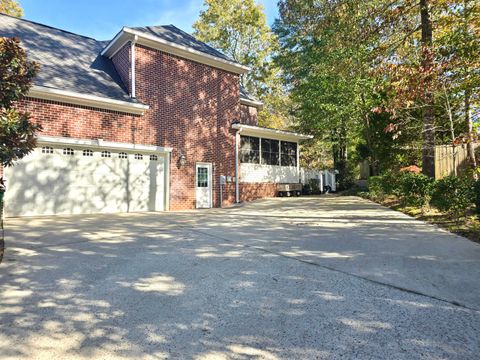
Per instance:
(202,177)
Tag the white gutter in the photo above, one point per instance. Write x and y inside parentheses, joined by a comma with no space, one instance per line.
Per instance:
(70,97)
(270,133)
(237,162)
(248,102)
(158,43)
(100,143)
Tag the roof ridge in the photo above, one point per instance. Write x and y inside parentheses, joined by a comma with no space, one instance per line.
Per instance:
(187,34)
(50,27)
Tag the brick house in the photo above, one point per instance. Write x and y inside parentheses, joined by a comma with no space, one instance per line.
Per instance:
(151,120)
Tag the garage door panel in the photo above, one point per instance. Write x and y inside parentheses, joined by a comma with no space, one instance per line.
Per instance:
(47,184)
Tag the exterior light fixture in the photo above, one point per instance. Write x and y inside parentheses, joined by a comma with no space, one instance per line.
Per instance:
(182,160)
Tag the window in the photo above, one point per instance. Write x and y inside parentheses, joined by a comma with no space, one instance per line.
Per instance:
(47,150)
(153,157)
(87,152)
(289,153)
(68,151)
(270,152)
(106,154)
(123,155)
(202,177)
(138,156)
(249,149)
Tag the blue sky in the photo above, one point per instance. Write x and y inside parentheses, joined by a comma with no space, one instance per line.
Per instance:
(102,19)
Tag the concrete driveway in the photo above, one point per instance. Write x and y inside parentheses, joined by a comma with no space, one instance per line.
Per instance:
(297,278)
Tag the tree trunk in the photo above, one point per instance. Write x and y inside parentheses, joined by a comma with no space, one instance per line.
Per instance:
(428,151)
(469,125)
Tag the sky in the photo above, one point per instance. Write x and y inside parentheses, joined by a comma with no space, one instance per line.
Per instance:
(102,19)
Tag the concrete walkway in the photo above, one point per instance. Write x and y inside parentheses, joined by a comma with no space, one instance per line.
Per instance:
(296,278)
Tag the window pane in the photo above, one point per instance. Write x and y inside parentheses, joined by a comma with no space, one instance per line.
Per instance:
(249,149)
(202,177)
(270,152)
(289,153)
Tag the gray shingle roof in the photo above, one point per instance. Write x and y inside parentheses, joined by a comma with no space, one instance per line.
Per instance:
(67,61)
(245,94)
(175,35)
(73,62)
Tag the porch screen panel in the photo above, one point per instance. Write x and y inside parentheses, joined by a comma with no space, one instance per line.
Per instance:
(289,153)
(249,149)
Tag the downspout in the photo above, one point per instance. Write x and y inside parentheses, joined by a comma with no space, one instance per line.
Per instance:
(237,182)
(298,161)
(132,65)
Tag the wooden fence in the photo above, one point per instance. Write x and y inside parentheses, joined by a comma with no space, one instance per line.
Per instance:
(447,158)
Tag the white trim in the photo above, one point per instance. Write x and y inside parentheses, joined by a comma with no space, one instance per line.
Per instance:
(132,66)
(167,156)
(210,182)
(57,140)
(172,48)
(251,130)
(237,164)
(248,102)
(70,97)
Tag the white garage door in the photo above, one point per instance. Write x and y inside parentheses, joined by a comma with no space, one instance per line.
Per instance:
(81,180)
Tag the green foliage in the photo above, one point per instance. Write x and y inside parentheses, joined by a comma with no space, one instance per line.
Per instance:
(314,187)
(453,195)
(239,28)
(415,189)
(476,193)
(11,7)
(412,189)
(17,133)
(375,187)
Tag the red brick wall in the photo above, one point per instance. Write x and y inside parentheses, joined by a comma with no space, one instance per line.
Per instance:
(122,60)
(192,107)
(253,191)
(248,115)
(58,119)
(191,110)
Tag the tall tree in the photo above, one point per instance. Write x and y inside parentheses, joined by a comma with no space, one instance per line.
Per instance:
(428,152)
(17,133)
(11,7)
(239,28)
(324,55)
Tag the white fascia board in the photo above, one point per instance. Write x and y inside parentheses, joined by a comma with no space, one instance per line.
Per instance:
(152,41)
(101,144)
(70,97)
(248,102)
(250,130)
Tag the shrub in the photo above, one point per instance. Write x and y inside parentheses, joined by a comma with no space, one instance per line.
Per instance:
(314,186)
(476,192)
(454,195)
(375,187)
(391,182)
(415,189)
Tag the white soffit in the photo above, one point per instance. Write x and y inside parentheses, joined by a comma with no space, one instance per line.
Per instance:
(70,97)
(248,102)
(154,42)
(257,131)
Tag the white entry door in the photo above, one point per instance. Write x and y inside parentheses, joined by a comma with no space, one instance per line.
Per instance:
(204,185)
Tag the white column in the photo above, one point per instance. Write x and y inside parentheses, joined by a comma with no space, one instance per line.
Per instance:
(298,160)
(237,163)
